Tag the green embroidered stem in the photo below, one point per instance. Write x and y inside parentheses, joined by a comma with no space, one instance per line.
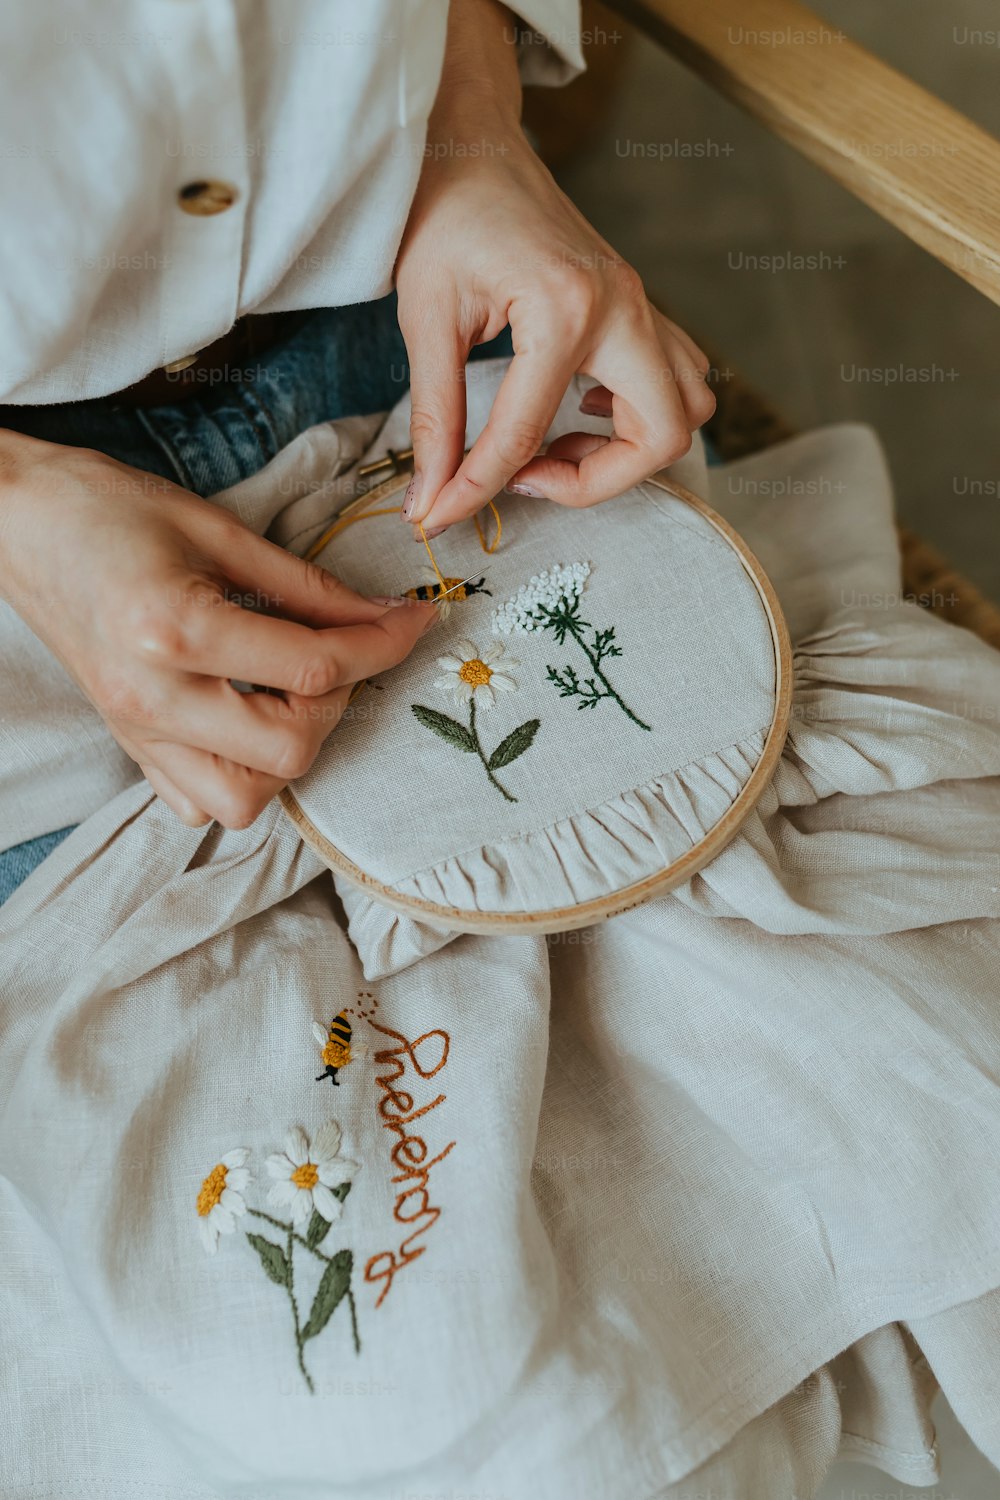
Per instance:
(479,751)
(280,1224)
(335,1282)
(595,661)
(564,620)
(467,739)
(295,1314)
(354,1321)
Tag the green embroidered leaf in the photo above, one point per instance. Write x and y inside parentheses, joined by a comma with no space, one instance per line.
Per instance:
(318,1226)
(333,1287)
(316,1232)
(449,729)
(272,1258)
(567,682)
(604,644)
(514,745)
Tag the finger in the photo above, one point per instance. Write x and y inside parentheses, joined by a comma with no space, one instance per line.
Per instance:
(437,358)
(651,428)
(267,733)
(685,365)
(523,410)
(231,642)
(231,794)
(576,445)
(696,398)
(267,578)
(176,800)
(696,355)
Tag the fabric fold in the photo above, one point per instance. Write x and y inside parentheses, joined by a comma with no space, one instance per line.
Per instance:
(616,844)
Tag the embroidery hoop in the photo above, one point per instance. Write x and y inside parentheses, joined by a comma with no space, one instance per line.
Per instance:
(586,913)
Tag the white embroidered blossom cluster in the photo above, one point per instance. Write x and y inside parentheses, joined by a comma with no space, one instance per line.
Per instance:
(560,584)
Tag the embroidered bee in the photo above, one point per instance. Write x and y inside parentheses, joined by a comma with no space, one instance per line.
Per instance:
(452,591)
(335,1042)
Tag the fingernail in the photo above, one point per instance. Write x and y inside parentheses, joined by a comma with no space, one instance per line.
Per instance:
(593,408)
(410,498)
(525,489)
(389,601)
(429,535)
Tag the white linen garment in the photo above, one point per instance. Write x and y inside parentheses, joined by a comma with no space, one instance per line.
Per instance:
(678,1206)
(299,124)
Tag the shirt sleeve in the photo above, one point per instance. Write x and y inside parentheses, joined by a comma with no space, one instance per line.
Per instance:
(549,40)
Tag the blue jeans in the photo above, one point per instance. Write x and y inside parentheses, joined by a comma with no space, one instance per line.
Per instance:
(341,361)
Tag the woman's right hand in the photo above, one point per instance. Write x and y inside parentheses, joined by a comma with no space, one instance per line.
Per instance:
(156,601)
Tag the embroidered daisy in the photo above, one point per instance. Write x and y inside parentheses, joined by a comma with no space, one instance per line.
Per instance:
(220,1201)
(474,676)
(304,1175)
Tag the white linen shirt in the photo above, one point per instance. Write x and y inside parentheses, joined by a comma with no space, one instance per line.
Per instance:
(305,118)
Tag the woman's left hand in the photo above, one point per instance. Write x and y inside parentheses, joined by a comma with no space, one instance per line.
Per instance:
(492,240)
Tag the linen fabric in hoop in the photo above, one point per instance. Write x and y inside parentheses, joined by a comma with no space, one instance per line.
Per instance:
(599,708)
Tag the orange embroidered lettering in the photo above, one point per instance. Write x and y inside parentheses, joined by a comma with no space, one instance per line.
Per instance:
(410,1153)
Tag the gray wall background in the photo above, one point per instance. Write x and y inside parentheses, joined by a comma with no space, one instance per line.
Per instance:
(803,336)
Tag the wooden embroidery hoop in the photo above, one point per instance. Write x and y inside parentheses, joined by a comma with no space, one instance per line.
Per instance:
(586,913)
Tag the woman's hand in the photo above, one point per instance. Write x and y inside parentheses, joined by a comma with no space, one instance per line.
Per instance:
(156,601)
(490,240)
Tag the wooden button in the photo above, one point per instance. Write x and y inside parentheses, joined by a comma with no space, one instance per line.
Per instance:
(180,364)
(206,197)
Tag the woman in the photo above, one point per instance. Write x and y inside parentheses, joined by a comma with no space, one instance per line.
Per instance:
(310,1200)
(185,188)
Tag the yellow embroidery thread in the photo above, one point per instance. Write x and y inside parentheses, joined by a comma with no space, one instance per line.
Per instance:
(356,511)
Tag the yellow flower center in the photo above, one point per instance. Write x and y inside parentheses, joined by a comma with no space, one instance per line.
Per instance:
(336,1054)
(212,1190)
(475,672)
(306,1176)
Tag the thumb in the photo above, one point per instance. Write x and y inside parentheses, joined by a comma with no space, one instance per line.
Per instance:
(437,356)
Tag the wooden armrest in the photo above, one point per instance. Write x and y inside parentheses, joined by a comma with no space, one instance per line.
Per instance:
(917,162)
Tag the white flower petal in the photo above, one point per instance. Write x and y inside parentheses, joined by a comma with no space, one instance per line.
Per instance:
(297,1146)
(238,1179)
(470,651)
(208,1235)
(282,1194)
(326,1204)
(337,1171)
(449,683)
(485,696)
(234,1202)
(279,1166)
(463,692)
(302,1206)
(235,1158)
(326,1141)
(450,663)
(222,1219)
(502,684)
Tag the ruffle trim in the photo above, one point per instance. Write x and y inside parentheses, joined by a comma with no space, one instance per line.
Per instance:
(577,859)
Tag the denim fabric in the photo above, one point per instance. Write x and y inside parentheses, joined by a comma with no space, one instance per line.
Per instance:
(17,864)
(341,361)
